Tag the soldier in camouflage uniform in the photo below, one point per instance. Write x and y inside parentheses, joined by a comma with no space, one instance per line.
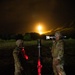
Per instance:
(17,62)
(57,54)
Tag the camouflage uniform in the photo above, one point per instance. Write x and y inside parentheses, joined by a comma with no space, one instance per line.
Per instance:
(57,54)
(16,52)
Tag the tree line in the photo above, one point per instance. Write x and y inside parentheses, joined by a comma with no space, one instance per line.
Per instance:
(26,36)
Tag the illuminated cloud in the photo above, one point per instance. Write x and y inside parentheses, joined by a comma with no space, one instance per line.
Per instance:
(59,28)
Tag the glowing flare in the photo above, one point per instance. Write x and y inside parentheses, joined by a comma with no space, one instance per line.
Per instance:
(39,27)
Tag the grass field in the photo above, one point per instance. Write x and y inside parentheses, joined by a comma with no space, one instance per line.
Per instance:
(7,62)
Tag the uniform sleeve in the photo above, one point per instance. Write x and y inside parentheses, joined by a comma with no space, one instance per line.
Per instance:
(53,46)
(61,50)
(16,58)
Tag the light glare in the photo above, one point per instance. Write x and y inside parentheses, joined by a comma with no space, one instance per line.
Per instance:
(39,28)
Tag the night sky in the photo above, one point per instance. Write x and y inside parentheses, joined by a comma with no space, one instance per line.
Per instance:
(21,16)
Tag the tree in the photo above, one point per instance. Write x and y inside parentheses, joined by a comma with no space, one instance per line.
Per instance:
(27,37)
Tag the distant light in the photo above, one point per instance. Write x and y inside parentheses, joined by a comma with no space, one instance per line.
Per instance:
(50,37)
(47,37)
(40,33)
(65,36)
(39,27)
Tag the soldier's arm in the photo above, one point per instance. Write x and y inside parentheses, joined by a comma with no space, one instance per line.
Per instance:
(60,51)
(16,59)
(53,45)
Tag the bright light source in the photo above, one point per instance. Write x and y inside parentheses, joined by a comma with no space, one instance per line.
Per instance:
(50,37)
(39,27)
(47,37)
(40,33)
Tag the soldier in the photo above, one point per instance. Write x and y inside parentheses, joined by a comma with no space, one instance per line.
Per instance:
(17,52)
(58,54)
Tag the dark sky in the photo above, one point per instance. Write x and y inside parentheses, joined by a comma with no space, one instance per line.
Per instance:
(21,16)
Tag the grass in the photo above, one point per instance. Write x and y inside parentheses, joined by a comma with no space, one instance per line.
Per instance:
(9,45)
(6,49)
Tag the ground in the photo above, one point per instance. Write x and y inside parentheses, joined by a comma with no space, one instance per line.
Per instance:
(7,62)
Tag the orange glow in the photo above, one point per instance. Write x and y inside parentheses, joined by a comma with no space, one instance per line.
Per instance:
(41,29)
(40,33)
(46,32)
